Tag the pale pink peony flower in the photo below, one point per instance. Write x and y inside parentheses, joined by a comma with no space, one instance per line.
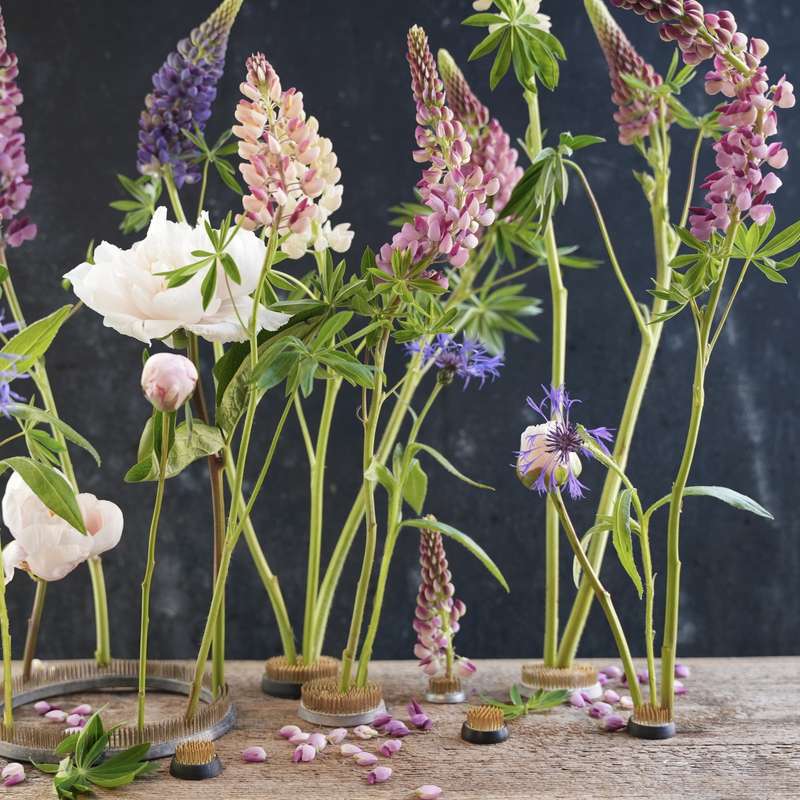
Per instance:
(46,545)
(168,380)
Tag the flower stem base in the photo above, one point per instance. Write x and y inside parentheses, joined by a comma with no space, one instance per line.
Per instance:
(281,679)
(442,689)
(538,675)
(323,704)
(652,723)
(484,737)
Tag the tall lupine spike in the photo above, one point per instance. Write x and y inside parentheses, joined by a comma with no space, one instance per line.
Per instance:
(183,90)
(638,111)
(288,166)
(738,188)
(456,196)
(491,146)
(438,612)
(14,189)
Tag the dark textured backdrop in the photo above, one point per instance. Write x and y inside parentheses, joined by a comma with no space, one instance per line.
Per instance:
(85,68)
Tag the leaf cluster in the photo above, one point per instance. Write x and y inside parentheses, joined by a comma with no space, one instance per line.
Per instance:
(539,701)
(214,155)
(76,774)
(138,212)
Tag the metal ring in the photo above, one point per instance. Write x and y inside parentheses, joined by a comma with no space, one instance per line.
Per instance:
(340,720)
(642,731)
(446,697)
(288,690)
(593,692)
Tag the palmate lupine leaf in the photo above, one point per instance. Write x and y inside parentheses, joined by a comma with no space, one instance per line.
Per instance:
(539,701)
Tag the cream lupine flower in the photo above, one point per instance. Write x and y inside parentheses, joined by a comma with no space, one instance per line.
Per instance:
(531,8)
(288,166)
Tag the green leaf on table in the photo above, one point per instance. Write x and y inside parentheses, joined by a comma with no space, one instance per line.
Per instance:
(32,342)
(416,487)
(33,414)
(417,446)
(461,538)
(622,536)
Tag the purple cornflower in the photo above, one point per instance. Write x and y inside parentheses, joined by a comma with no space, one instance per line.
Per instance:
(9,398)
(638,111)
(548,456)
(468,359)
(14,189)
(183,90)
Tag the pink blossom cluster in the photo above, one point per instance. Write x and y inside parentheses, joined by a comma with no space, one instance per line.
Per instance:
(14,189)
(288,166)
(456,196)
(438,613)
(739,186)
(638,111)
(491,145)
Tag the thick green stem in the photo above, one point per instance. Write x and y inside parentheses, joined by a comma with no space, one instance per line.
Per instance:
(651,336)
(5,635)
(649,633)
(393,519)
(370,428)
(604,598)
(203,189)
(39,374)
(148,575)
(34,621)
(174,199)
(332,387)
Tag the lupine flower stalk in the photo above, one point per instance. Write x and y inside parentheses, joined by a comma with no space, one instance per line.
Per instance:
(739,187)
(638,111)
(457,200)
(183,90)
(288,166)
(14,188)
(491,145)
(438,612)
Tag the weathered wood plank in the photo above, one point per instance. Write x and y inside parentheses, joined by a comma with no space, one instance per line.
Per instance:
(739,737)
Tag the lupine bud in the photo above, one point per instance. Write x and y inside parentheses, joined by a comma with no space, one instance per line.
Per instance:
(390,746)
(614,723)
(254,754)
(168,380)
(13,773)
(379,775)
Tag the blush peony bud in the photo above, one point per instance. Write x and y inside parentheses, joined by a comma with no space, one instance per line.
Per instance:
(168,380)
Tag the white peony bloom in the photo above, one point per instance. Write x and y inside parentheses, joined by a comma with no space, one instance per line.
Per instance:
(48,546)
(531,8)
(124,287)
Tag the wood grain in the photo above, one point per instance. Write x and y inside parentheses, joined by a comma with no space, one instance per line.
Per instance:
(738,737)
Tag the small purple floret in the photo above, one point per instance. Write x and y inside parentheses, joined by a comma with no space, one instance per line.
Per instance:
(614,723)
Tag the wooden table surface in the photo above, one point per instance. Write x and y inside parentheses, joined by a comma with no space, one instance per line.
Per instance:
(738,737)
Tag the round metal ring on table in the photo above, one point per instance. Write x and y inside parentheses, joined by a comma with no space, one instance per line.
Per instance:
(91,683)
(288,690)
(195,772)
(642,731)
(593,692)
(484,737)
(340,720)
(446,697)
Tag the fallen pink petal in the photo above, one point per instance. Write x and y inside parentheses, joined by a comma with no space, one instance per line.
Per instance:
(56,716)
(336,736)
(304,752)
(317,741)
(679,688)
(614,723)
(379,775)
(287,731)
(626,701)
(381,720)
(576,699)
(682,671)
(300,738)
(365,732)
(602,678)
(14,773)
(612,671)
(351,749)
(254,754)
(610,696)
(364,759)
(43,707)
(389,747)
(82,709)
(428,792)
(600,710)
(74,720)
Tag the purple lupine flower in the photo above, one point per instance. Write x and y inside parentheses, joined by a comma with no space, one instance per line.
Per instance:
(638,111)
(491,146)
(548,456)
(14,188)
(438,613)
(457,200)
(183,90)
(467,359)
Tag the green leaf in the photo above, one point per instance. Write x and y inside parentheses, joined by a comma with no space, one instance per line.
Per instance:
(38,415)
(501,63)
(783,241)
(729,496)
(209,286)
(378,472)
(576,564)
(482,20)
(579,142)
(331,327)
(50,487)
(32,342)
(417,446)
(488,44)
(461,538)
(516,698)
(771,273)
(416,487)
(227,177)
(688,239)
(622,536)
(64,747)
(231,270)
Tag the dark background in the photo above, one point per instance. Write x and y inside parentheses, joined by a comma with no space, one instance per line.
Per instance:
(85,68)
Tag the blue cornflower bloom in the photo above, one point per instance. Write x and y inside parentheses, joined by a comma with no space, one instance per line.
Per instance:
(183,90)
(468,359)
(548,456)
(9,398)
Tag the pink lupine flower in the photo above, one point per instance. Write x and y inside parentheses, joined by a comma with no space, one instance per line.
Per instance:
(336,736)
(614,723)
(74,721)
(288,166)
(638,111)
(465,667)
(254,754)
(287,731)
(364,759)
(304,752)
(365,732)
(350,750)
(428,792)
(379,775)
(13,773)
(389,747)
(682,671)
(417,717)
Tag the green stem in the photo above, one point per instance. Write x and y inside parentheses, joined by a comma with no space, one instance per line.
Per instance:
(651,337)
(692,177)
(650,588)
(148,575)
(371,425)
(172,191)
(230,544)
(202,189)
(603,597)
(34,621)
(5,634)
(317,504)
(394,517)
(103,652)
(670,641)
